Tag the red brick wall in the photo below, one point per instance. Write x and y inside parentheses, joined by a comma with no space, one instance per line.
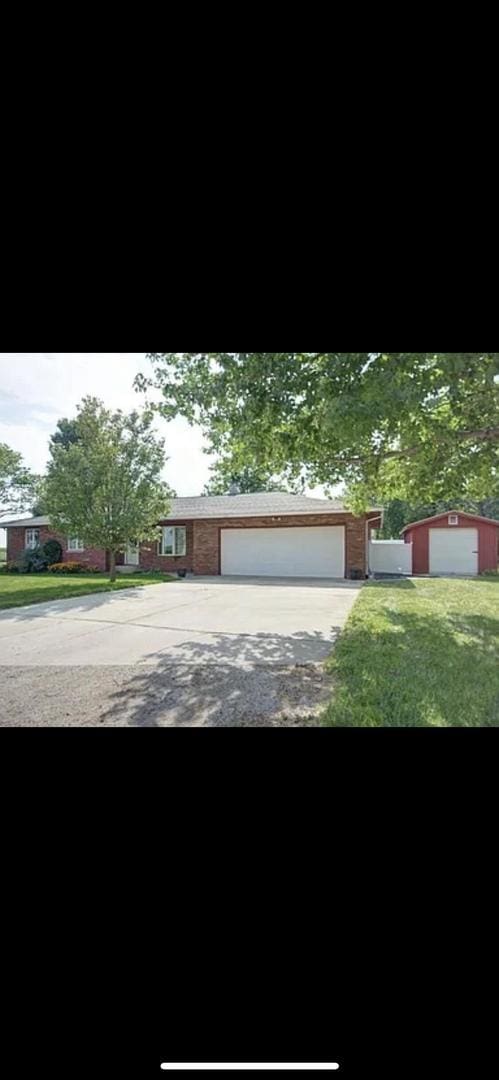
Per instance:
(203,543)
(16,544)
(150,560)
(206,539)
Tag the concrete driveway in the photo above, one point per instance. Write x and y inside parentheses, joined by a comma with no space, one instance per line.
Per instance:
(208,651)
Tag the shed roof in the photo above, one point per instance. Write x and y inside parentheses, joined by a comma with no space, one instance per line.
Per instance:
(438,517)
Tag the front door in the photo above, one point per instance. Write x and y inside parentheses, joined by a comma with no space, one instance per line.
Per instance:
(132,554)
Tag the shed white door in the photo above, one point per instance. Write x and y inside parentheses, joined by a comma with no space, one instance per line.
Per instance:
(301,552)
(453,551)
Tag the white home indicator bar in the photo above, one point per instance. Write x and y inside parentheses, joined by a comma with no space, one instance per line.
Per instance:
(213,1066)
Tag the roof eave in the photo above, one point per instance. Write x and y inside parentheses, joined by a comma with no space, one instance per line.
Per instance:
(447,513)
(267,513)
(23,522)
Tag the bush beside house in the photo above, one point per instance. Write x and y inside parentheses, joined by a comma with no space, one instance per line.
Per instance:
(73,568)
(52,549)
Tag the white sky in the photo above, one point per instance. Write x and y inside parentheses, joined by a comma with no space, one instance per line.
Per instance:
(37,389)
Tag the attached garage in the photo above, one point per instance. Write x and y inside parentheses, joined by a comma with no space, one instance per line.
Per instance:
(309,551)
(453,543)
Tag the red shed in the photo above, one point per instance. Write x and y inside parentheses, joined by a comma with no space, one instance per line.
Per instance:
(453,543)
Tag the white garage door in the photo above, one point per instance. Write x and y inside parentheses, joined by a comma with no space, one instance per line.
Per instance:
(300,552)
(453,551)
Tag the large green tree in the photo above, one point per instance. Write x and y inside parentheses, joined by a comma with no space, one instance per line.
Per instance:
(66,433)
(226,473)
(407,425)
(104,484)
(398,513)
(17,484)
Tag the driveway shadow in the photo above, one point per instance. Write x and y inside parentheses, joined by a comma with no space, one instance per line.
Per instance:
(238,649)
(260,680)
(87,602)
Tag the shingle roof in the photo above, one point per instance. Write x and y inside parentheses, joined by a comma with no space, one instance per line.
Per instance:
(28,522)
(265,504)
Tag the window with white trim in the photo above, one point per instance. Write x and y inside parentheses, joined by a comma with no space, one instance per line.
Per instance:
(75,544)
(31,538)
(173,540)
(453,519)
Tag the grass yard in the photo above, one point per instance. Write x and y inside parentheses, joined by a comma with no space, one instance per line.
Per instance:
(17,590)
(419,653)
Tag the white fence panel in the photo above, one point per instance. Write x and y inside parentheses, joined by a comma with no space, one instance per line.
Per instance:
(390,557)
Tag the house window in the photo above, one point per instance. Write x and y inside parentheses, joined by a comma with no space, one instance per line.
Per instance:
(32,538)
(75,544)
(173,540)
(453,519)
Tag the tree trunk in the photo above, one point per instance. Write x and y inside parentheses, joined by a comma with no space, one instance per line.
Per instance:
(112,566)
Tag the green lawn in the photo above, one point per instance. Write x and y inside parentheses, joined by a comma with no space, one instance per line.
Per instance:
(16,590)
(419,653)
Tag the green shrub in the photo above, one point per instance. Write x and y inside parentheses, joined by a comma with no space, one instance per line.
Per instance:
(32,561)
(52,551)
(68,568)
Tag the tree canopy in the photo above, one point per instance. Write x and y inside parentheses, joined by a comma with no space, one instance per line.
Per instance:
(398,513)
(104,483)
(246,478)
(406,425)
(66,433)
(17,484)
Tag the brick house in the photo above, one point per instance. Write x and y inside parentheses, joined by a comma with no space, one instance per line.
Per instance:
(270,534)
(29,532)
